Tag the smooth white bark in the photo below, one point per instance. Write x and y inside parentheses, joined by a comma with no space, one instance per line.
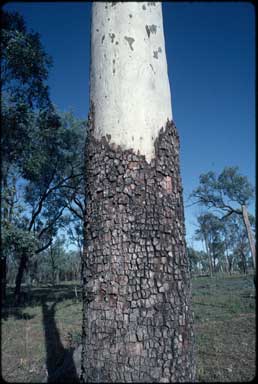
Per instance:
(129,84)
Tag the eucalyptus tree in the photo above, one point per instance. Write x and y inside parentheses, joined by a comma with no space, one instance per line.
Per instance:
(238,245)
(42,150)
(198,260)
(50,173)
(137,318)
(226,194)
(24,70)
(209,230)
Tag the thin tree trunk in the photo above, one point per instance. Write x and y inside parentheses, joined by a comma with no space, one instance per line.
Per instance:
(249,233)
(209,256)
(227,261)
(243,258)
(3,265)
(18,281)
(3,253)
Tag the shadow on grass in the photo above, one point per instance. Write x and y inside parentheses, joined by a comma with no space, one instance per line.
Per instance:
(59,361)
(34,297)
(16,312)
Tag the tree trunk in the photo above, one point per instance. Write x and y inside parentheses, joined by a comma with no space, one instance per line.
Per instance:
(249,233)
(57,277)
(227,262)
(137,318)
(3,277)
(209,256)
(18,281)
(3,253)
(243,261)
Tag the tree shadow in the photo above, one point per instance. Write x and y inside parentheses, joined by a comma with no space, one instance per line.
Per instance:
(16,312)
(60,362)
(35,298)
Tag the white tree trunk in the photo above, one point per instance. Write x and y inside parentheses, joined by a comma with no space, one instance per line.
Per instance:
(249,233)
(129,82)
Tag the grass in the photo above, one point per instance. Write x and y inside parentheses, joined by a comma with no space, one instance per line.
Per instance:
(224,310)
(24,341)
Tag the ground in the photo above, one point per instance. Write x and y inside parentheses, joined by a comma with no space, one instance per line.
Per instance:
(38,335)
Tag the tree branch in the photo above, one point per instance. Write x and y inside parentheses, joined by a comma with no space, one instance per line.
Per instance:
(44,246)
(46,194)
(54,220)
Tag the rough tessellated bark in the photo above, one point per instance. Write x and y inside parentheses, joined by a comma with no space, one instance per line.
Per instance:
(137,318)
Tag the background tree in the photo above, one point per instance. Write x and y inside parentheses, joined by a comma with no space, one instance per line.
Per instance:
(228,193)
(209,230)
(49,175)
(24,69)
(41,150)
(198,261)
(237,243)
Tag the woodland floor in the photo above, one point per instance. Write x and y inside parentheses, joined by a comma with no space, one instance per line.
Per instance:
(49,324)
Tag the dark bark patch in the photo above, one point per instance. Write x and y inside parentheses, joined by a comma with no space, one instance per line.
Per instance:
(112,37)
(156,53)
(130,41)
(152,69)
(150,29)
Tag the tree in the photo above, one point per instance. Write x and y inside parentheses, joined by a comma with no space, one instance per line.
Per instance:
(137,322)
(50,172)
(229,193)
(209,231)
(24,69)
(238,245)
(42,150)
(198,260)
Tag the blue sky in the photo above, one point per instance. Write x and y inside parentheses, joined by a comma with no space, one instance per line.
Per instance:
(210,50)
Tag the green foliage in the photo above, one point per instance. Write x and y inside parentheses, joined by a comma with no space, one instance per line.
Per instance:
(17,240)
(235,186)
(42,150)
(226,192)
(226,243)
(197,259)
(24,71)
(57,263)
(237,241)
(16,243)
(24,63)
(209,230)
(15,134)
